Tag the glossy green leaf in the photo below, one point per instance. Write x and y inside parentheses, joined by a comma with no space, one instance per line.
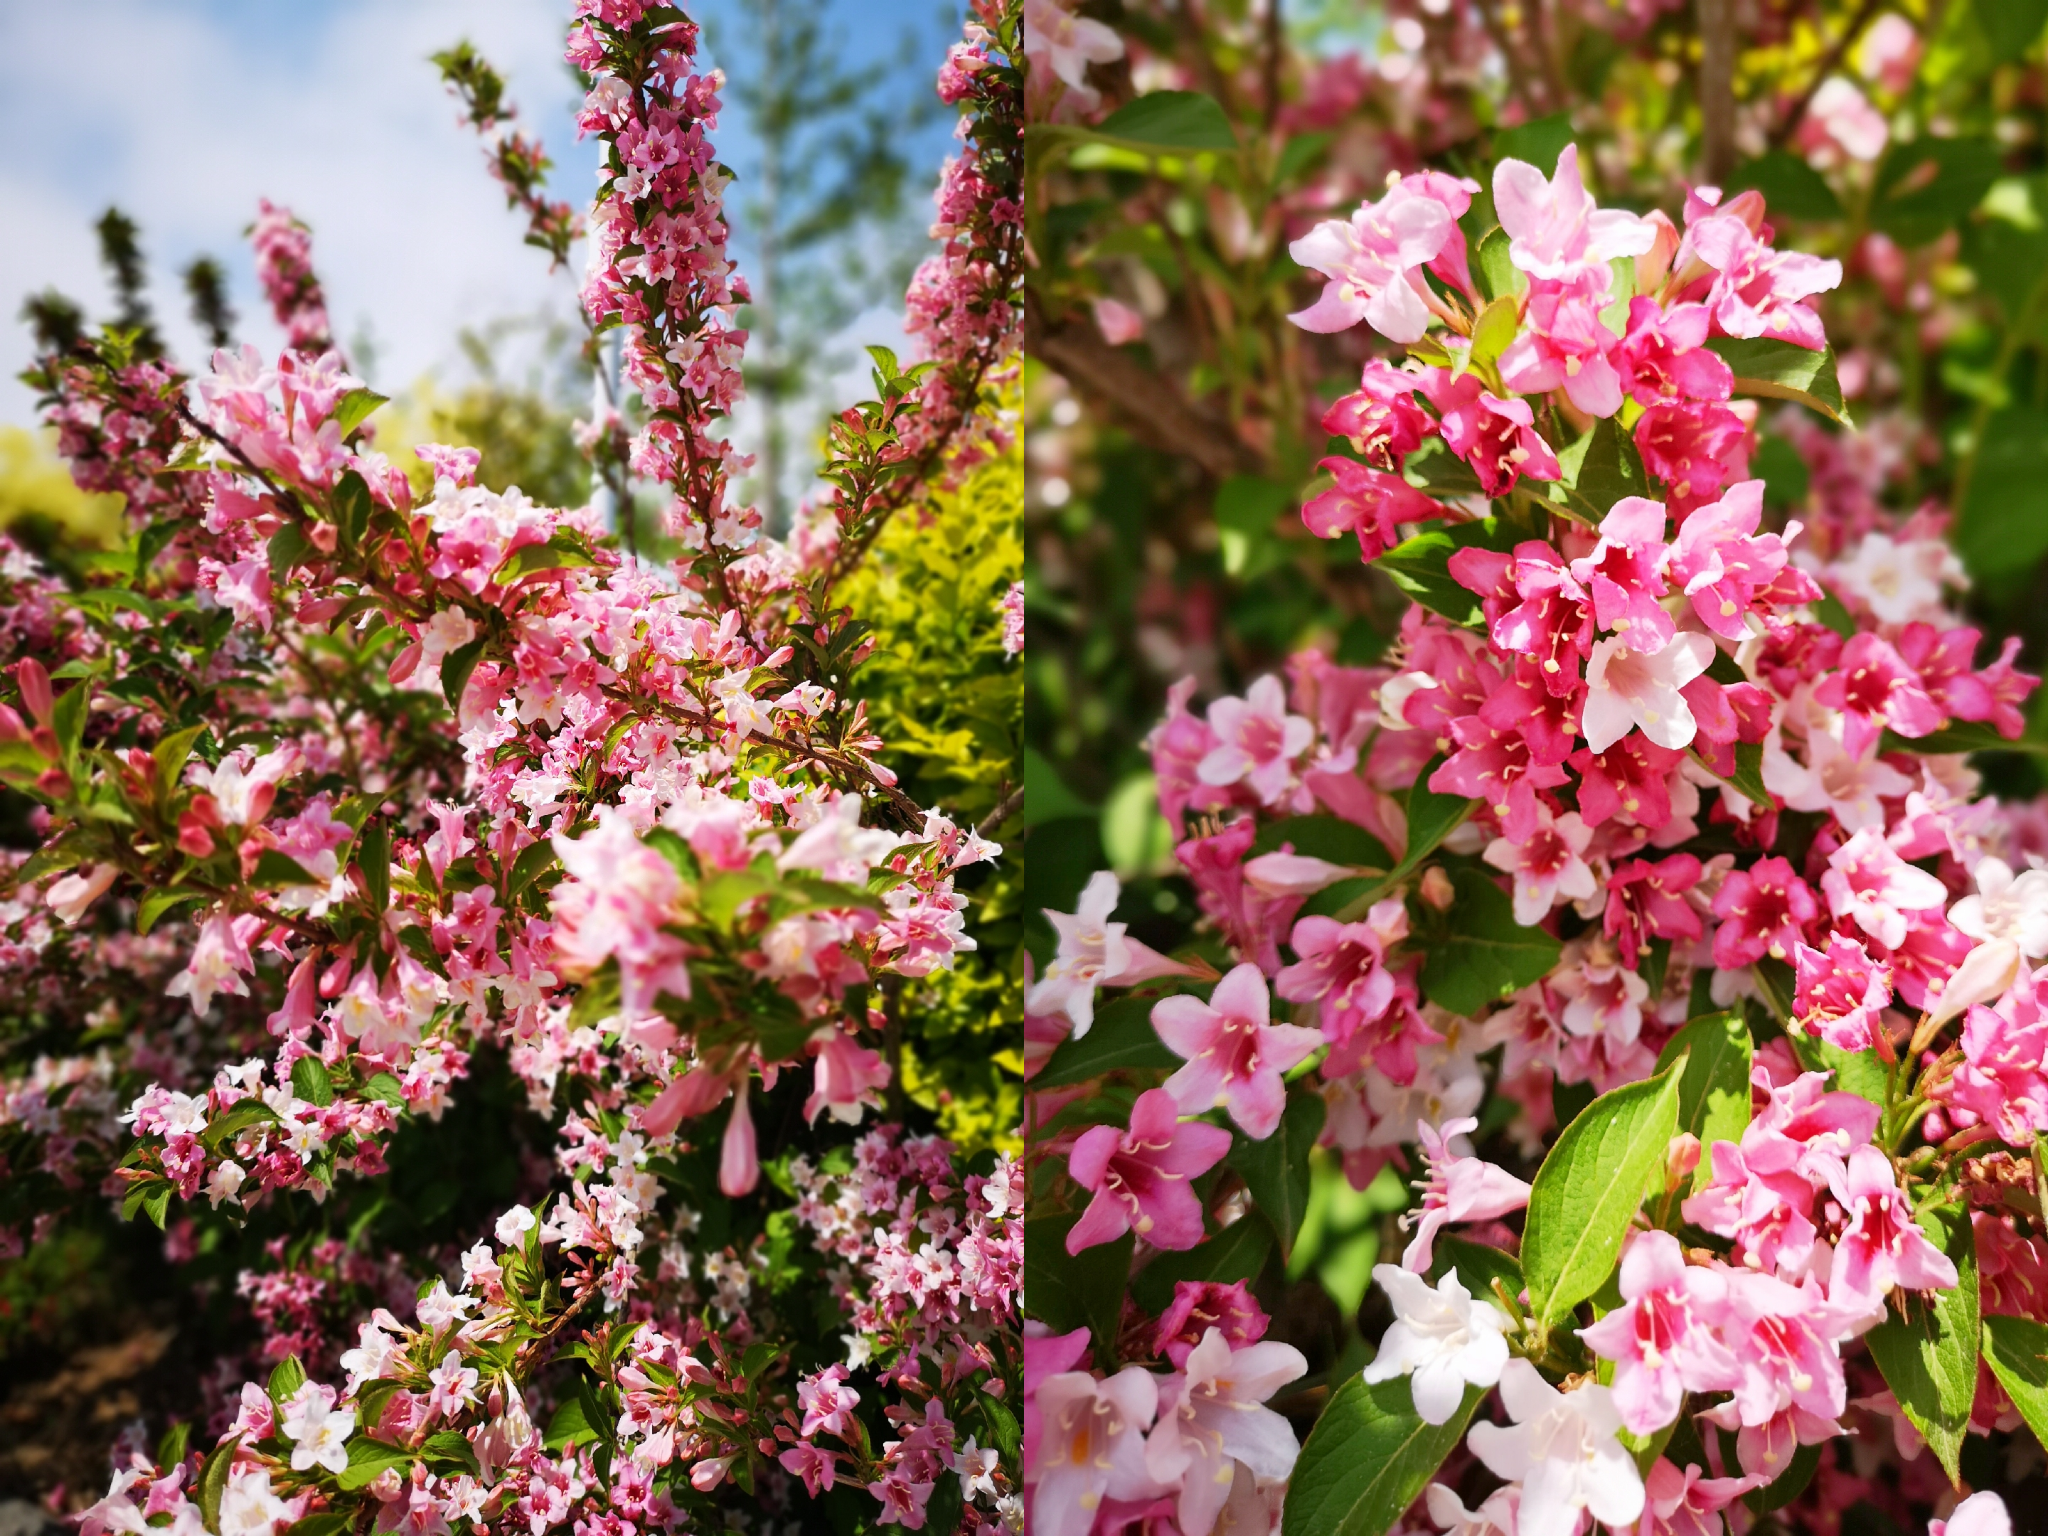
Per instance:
(1929,1358)
(1599,469)
(1081,1290)
(355,408)
(1482,954)
(1367,1459)
(370,1459)
(311,1082)
(559,553)
(275,870)
(1790,186)
(1478,1266)
(456,667)
(1924,186)
(1781,370)
(1171,120)
(1330,838)
(213,1481)
(286,1377)
(1421,566)
(1276,1170)
(1713,1088)
(1589,1188)
(151,909)
(1238,1252)
(1494,271)
(1431,818)
(2016,1349)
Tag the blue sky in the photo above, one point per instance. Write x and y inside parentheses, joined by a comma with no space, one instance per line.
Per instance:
(185,112)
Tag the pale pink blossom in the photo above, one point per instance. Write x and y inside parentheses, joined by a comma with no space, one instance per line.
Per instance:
(1141,1176)
(1234,1055)
(1458,1188)
(1258,741)
(1553,226)
(1212,1415)
(1663,1339)
(1628,689)
(1093,952)
(1547,866)
(1090,1447)
(1867,880)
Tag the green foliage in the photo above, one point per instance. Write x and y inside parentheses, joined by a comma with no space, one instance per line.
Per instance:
(1368,1458)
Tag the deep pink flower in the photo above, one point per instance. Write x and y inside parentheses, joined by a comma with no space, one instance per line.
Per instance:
(1343,967)
(1498,438)
(1763,1202)
(1646,900)
(1875,688)
(1764,911)
(1565,345)
(1695,448)
(1140,1176)
(2003,1077)
(1629,781)
(1235,1056)
(1548,720)
(1495,766)
(1841,993)
(1663,355)
(1382,419)
(1198,1306)
(1535,607)
(2009,688)
(1881,1246)
(1664,1339)
(1457,1188)
(1783,1338)
(1723,562)
(1758,290)
(1367,502)
(1625,574)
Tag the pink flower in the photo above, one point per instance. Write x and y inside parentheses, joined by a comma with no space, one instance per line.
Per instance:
(1782,1337)
(69,897)
(1867,880)
(1663,355)
(1646,900)
(1235,1058)
(1090,1447)
(2003,1077)
(619,898)
(1695,448)
(453,1384)
(1764,911)
(1840,121)
(1723,562)
(1458,1188)
(1093,952)
(1202,1306)
(847,1077)
(1881,1246)
(1663,1340)
(1564,344)
(827,1402)
(1874,689)
(1496,766)
(1554,229)
(1841,993)
(1212,1415)
(1981,1514)
(1061,46)
(1498,438)
(1757,290)
(1687,1503)
(219,961)
(1381,420)
(1625,574)
(1119,323)
(1371,259)
(1258,741)
(1628,689)
(1544,866)
(1140,1176)
(1367,502)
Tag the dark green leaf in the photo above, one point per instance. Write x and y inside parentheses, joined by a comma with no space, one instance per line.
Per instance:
(1330,838)
(569,1426)
(450,1448)
(1781,370)
(2016,1349)
(1183,120)
(1539,142)
(213,1481)
(1713,1090)
(1431,818)
(311,1082)
(1483,955)
(1367,1459)
(385,1089)
(1923,186)
(1791,187)
(534,858)
(1421,566)
(1599,469)
(373,856)
(1276,1170)
(1960,736)
(1238,1252)
(330,1522)
(170,1449)
(456,667)
(1788,1484)
(156,1205)
(1082,1290)
(1929,1358)
(2011,26)
(352,507)
(1588,1191)
(275,870)
(224,1128)
(1122,1039)
(1437,470)
(1478,1266)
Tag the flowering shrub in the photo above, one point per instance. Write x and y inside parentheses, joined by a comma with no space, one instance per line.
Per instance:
(350,798)
(1637,908)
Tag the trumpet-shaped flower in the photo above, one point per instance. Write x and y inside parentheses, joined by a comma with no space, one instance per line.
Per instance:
(1563,1451)
(1443,1339)
(1141,1176)
(1234,1055)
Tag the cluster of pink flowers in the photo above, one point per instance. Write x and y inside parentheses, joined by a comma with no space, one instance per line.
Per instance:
(284,266)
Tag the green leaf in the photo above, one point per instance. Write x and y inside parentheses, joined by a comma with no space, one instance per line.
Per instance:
(1599,469)
(1924,186)
(355,408)
(1431,818)
(275,870)
(311,1082)
(1960,736)
(1713,1089)
(1478,1266)
(1588,1191)
(1122,1039)
(1483,954)
(68,716)
(1172,120)
(1330,838)
(1539,142)
(352,507)
(373,856)
(213,1481)
(1857,1072)
(385,1089)
(150,910)
(1792,188)
(456,667)
(1494,271)
(1437,470)
(285,1379)
(331,1522)
(2016,1349)
(534,858)
(1494,329)
(2001,528)
(558,553)
(1238,1252)
(1276,1170)
(2011,26)
(1421,566)
(172,752)
(1748,777)
(224,1128)
(569,1426)
(1780,370)
(1929,1358)
(369,1460)
(170,1449)
(450,1448)
(1367,1459)
(1081,1290)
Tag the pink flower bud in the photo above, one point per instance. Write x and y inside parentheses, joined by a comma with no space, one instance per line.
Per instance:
(1437,890)
(1681,1157)
(739,1165)
(34,683)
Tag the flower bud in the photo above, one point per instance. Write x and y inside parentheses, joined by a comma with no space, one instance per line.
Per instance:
(1436,888)
(34,683)
(1681,1157)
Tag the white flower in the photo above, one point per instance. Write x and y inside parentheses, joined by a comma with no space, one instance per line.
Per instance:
(1093,952)
(2006,906)
(1981,1514)
(1550,864)
(69,897)
(1212,1416)
(321,1429)
(514,1225)
(1563,1451)
(1985,973)
(248,1507)
(1626,689)
(1849,788)
(372,1357)
(222,1183)
(977,1471)
(1899,582)
(837,846)
(438,1308)
(1443,1337)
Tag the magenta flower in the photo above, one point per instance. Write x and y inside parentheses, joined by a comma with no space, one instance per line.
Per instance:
(1458,1188)
(1141,1176)
(1841,993)
(1764,911)
(1663,355)
(1695,448)
(1382,420)
(1881,1246)
(1782,1337)
(1234,1056)
(1564,345)
(1368,502)
(1552,623)
(1757,291)
(1625,573)
(1629,781)
(1646,900)
(1723,563)
(1498,438)
(1201,1305)
(1664,1340)
(1554,228)
(1343,967)
(2003,1077)
(1875,688)
(1495,765)
(1372,259)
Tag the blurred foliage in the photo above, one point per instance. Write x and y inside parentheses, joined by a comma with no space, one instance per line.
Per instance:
(41,506)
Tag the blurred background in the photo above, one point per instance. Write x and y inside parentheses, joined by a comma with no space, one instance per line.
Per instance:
(182,115)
